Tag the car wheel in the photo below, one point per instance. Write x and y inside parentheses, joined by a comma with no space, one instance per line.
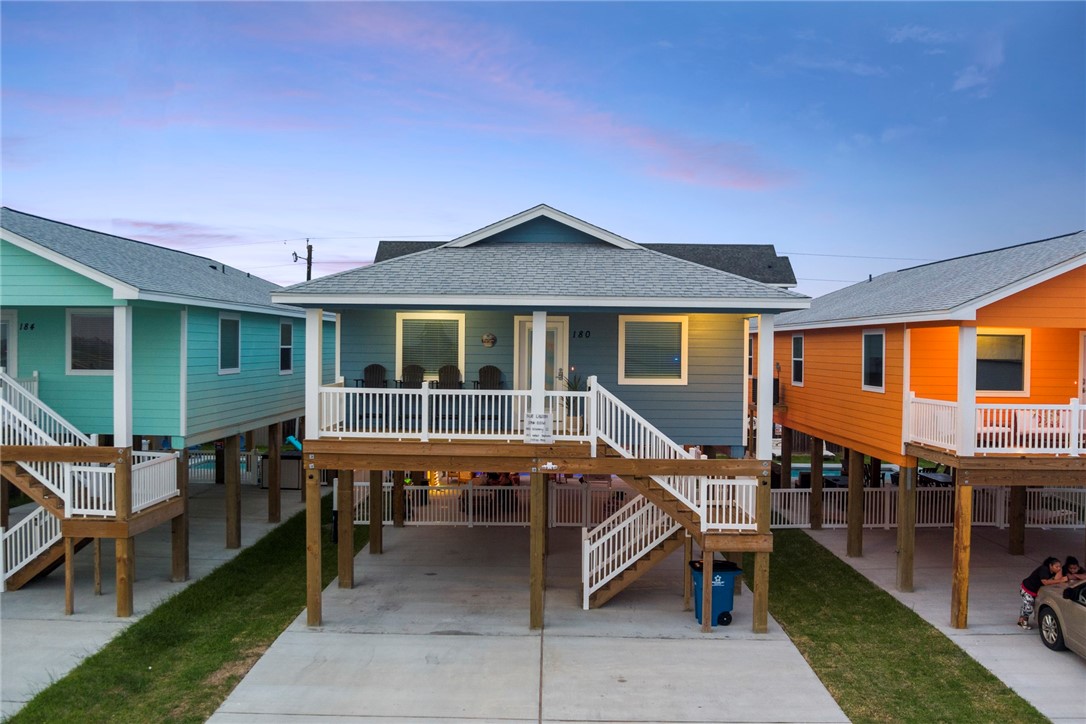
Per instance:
(1050,629)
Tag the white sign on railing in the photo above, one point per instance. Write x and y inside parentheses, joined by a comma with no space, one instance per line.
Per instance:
(538,428)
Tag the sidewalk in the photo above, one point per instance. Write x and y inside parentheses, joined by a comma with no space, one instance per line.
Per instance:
(1053,681)
(437,628)
(39,644)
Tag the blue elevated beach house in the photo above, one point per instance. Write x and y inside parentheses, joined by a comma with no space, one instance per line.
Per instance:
(546,345)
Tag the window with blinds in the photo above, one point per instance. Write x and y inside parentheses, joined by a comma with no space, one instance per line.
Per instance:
(652,350)
(1001,362)
(430,343)
(90,341)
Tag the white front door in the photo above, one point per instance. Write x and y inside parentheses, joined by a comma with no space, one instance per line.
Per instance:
(557,353)
(9,342)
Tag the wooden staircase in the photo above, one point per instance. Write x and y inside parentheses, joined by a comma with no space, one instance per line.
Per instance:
(16,475)
(638,569)
(46,562)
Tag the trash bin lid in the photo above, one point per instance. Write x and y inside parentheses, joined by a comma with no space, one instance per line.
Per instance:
(718,566)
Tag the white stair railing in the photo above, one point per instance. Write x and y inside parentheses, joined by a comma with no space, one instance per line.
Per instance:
(16,429)
(620,541)
(26,540)
(39,414)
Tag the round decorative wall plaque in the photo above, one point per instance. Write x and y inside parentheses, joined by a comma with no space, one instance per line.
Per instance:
(489,340)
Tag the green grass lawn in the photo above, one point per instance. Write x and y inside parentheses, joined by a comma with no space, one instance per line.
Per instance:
(180,661)
(878,659)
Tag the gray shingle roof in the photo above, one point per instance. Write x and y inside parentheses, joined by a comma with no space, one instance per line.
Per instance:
(147,267)
(535,270)
(944,286)
(753,261)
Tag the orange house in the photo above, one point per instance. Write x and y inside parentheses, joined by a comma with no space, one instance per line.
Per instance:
(976,363)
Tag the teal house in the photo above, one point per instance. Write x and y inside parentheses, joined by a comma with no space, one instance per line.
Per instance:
(118,356)
(129,340)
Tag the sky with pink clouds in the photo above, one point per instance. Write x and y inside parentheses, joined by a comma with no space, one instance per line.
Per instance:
(857,138)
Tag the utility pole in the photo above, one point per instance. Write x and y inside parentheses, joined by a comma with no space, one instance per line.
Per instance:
(308,260)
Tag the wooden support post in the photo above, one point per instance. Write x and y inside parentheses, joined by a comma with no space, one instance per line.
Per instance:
(398,501)
(126,571)
(97,566)
(855,545)
(377,511)
(345,523)
(963,530)
(786,457)
(273,479)
(179,526)
(706,591)
(232,463)
(816,483)
(688,583)
(761,560)
(69,575)
(1016,544)
(537,569)
(312,490)
(906,526)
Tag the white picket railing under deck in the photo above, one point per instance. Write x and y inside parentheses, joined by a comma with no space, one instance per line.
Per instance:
(25,541)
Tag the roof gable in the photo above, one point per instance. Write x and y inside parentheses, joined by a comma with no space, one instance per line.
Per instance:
(541,224)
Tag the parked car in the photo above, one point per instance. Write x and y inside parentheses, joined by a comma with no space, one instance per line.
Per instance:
(1061,613)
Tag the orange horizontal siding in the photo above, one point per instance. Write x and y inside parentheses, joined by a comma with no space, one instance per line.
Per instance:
(1058,302)
(831,403)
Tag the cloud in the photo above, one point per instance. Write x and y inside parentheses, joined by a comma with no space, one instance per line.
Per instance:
(978,75)
(920,34)
(487,72)
(896,133)
(176,234)
(834,65)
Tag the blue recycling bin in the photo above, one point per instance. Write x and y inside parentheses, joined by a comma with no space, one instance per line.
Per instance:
(724,573)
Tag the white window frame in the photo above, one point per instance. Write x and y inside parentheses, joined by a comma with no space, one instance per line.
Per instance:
(218,359)
(286,323)
(801,359)
(104,311)
(863,360)
(1027,335)
(460,318)
(684,343)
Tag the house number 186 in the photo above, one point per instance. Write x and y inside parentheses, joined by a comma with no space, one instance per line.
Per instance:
(580,334)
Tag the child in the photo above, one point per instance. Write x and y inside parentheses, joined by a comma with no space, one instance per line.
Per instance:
(1073,570)
(1046,574)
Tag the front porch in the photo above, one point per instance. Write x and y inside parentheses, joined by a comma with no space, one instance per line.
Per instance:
(997,429)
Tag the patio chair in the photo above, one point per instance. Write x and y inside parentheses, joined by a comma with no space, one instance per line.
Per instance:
(373,376)
(411,377)
(490,378)
(448,378)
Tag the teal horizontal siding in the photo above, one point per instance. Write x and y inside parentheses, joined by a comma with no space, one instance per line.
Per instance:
(28,279)
(156,370)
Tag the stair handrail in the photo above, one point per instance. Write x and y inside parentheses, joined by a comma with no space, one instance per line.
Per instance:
(25,541)
(654,525)
(17,429)
(23,402)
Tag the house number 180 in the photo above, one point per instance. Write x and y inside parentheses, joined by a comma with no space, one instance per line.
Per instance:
(580,334)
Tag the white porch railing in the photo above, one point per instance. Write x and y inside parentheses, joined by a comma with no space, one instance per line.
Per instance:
(25,541)
(1045,507)
(154,478)
(17,429)
(1002,428)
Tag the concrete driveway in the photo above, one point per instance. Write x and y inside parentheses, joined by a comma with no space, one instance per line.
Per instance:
(437,629)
